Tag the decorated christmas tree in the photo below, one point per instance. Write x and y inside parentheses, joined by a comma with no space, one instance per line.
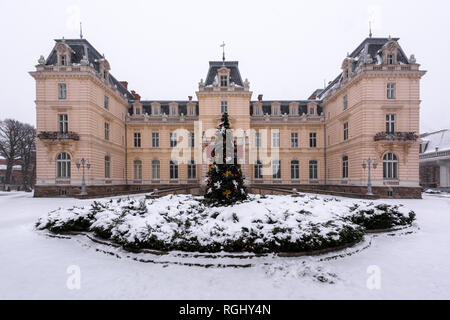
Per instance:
(224,182)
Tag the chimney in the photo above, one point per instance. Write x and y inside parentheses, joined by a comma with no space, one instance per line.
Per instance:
(190,98)
(124,83)
(260,97)
(135,95)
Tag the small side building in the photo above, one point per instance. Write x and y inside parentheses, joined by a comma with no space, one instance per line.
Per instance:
(435,160)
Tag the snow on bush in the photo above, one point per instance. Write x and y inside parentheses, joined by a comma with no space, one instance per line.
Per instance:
(261,224)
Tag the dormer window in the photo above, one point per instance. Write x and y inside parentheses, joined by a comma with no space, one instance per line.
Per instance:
(223,81)
(191,110)
(390,59)
(63,60)
(137,111)
(256,111)
(275,111)
(311,111)
(155,111)
(173,111)
(294,111)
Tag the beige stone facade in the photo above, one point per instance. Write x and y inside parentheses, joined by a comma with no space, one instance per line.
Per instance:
(371,110)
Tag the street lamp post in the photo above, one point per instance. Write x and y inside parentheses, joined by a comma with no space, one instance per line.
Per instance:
(369,163)
(83,163)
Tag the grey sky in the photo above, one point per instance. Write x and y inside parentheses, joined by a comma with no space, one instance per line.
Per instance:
(286,49)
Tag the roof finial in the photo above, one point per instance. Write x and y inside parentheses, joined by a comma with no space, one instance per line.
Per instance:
(370,29)
(81,31)
(223,48)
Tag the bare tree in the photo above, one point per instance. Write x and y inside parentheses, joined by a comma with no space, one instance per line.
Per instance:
(10,135)
(27,154)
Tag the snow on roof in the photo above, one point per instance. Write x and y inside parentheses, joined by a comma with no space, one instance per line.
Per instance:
(439,139)
(3,167)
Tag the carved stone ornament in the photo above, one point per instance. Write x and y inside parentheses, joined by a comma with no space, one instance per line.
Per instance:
(41,60)
(412,59)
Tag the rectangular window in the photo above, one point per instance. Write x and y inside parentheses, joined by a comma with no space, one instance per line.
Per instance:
(391,90)
(345,167)
(295,170)
(313,170)
(137,170)
(138,111)
(173,111)
(223,107)
(223,81)
(275,140)
(256,111)
(63,123)
(155,111)
(258,170)
(62,91)
(137,139)
(173,170)
(294,140)
(294,111)
(107,167)
(275,111)
(156,170)
(312,140)
(191,111)
(106,131)
(276,169)
(390,59)
(155,139)
(191,140)
(192,170)
(106,102)
(345,131)
(390,123)
(173,140)
(345,102)
(63,60)
(311,111)
(257,139)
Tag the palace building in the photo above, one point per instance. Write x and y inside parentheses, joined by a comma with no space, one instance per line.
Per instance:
(128,144)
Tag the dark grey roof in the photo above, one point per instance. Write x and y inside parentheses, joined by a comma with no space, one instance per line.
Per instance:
(370,46)
(80,48)
(315,94)
(182,106)
(235,75)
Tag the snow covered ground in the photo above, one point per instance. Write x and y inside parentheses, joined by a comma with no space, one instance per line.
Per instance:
(403,265)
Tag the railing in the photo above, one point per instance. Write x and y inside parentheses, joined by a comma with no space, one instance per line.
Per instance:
(56,135)
(396,136)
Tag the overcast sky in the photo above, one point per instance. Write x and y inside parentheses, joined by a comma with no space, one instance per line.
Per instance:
(286,49)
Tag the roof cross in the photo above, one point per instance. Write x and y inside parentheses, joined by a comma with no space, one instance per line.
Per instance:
(223,48)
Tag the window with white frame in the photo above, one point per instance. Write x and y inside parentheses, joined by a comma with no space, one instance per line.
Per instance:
(138,111)
(390,166)
(155,139)
(390,59)
(276,111)
(106,102)
(63,120)
(191,139)
(275,139)
(391,90)
(191,111)
(294,139)
(312,140)
(276,169)
(294,111)
(173,170)
(345,102)
(192,170)
(63,165)
(63,60)
(223,81)
(345,167)
(173,111)
(137,165)
(106,131)
(258,168)
(155,111)
(390,123)
(62,91)
(156,169)
(107,167)
(311,111)
(223,107)
(295,169)
(257,139)
(137,139)
(345,131)
(313,170)
(173,139)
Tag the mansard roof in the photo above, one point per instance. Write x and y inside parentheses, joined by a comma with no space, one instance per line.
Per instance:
(439,140)
(182,106)
(284,106)
(80,48)
(372,47)
(235,75)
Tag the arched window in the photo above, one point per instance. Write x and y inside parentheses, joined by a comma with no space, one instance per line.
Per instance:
(173,170)
(63,165)
(137,170)
(107,167)
(390,166)
(156,168)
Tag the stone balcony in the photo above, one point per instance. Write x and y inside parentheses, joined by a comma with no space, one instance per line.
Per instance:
(58,136)
(396,137)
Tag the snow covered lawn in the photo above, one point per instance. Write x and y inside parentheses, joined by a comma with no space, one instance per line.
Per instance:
(409,264)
